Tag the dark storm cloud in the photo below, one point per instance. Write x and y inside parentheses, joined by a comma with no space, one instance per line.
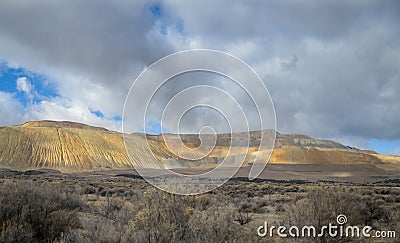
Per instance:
(227,20)
(98,38)
(332,67)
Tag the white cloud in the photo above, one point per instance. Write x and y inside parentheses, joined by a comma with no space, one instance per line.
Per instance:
(61,109)
(12,112)
(23,85)
(89,59)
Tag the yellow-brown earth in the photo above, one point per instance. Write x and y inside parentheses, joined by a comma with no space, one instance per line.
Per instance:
(68,146)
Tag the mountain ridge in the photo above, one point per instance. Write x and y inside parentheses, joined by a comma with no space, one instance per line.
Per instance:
(70,146)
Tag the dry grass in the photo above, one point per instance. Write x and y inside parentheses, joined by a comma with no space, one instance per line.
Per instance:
(98,208)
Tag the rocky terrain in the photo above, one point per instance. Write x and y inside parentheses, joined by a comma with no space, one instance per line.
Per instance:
(74,147)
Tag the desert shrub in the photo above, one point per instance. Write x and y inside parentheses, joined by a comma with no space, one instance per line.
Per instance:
(243,218)
(89,190)
(164,217)
(367,191)
(212,225)
(394,218)
(392,199)
(291,189)
(35,212)
(105,221)
(203,201)
(321,206)
(97,229)
(279,208)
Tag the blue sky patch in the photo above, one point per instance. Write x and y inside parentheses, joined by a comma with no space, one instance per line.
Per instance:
(97,113)
(41,88)
(155,128)
(164,21)
(155,10)
(117,118)
(384,146)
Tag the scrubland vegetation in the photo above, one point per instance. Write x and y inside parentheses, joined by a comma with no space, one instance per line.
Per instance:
(40,208)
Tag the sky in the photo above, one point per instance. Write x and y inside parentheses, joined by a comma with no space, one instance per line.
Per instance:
(332,68)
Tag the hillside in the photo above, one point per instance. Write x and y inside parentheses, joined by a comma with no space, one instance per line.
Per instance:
(69,146)
(64,146)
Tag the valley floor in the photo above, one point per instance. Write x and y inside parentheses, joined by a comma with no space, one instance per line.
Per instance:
(119,206)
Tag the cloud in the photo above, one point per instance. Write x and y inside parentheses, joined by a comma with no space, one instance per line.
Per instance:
(92,51)
(331,76)
(61,109)
(291,63)
(56,108)
(331,67)
(23,85)
(12,112)
(395,152)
